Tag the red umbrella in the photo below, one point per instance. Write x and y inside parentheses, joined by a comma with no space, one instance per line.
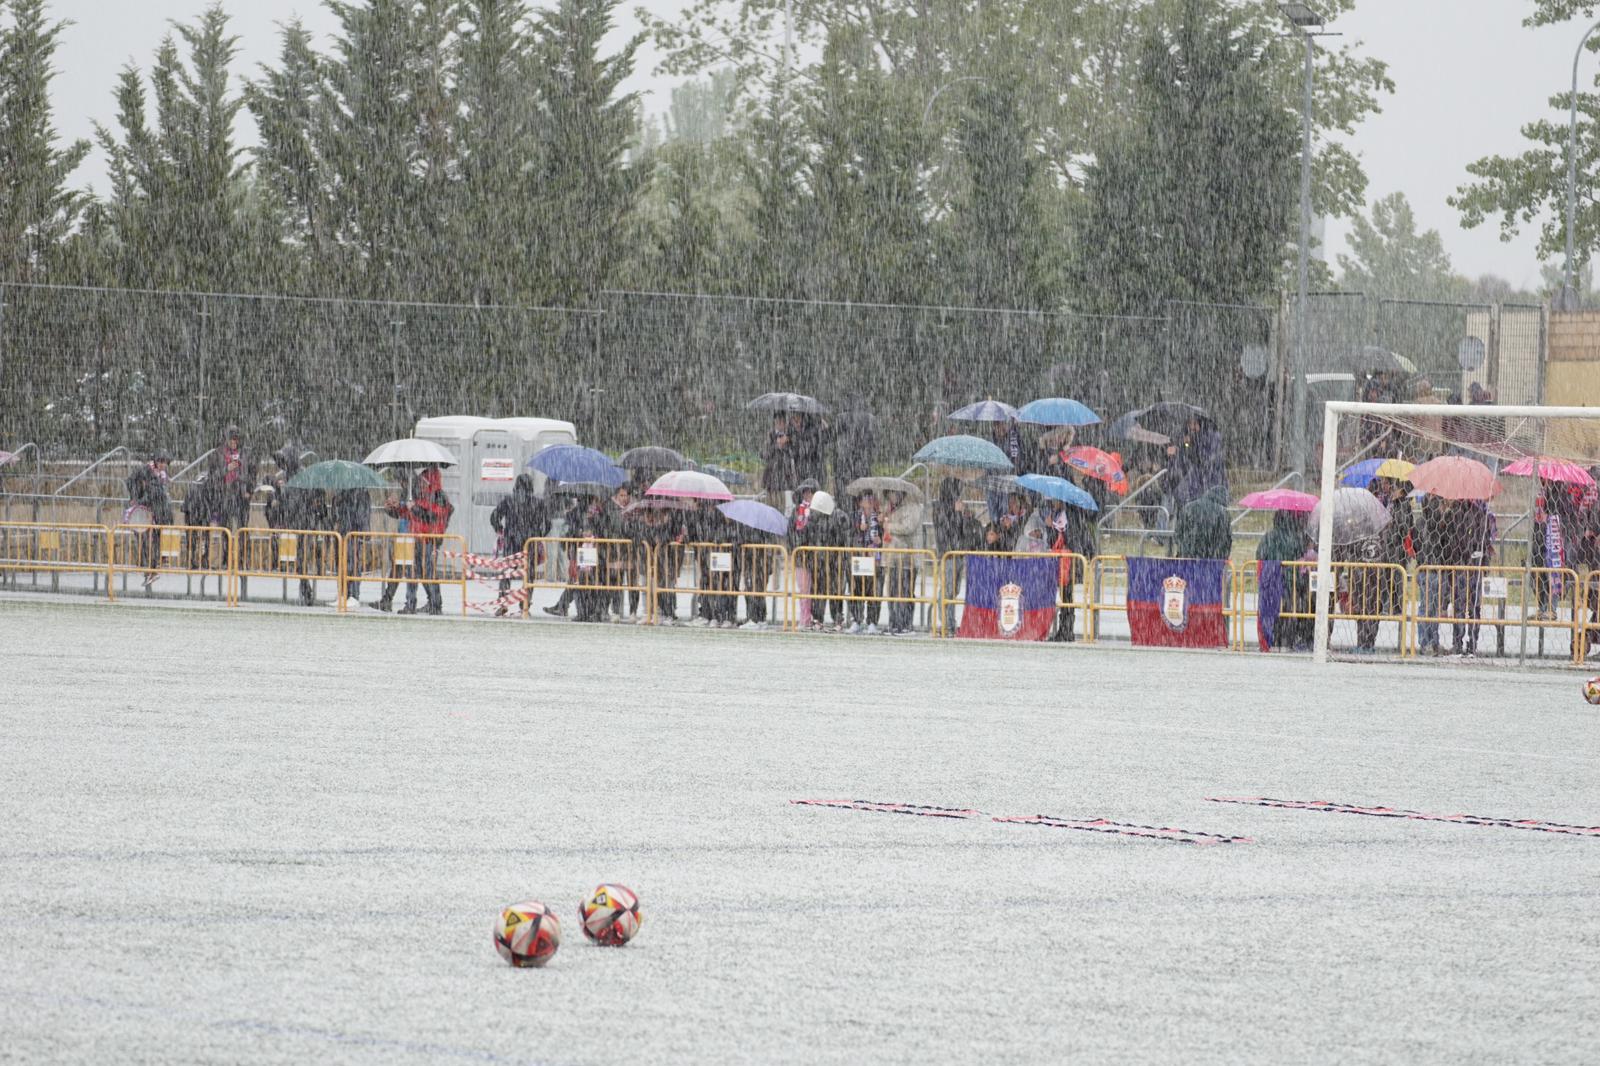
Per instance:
(1102,466)
(1552,470)
(1455,477)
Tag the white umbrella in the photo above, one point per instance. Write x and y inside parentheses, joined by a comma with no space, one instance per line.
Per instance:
(1357,515)
(410,452)
(689,484)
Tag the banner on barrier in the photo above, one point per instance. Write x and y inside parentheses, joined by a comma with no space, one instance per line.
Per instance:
(1177,602)
(720,563)
(1009,599)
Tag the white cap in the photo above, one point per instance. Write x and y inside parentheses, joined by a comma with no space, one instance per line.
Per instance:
(822,503)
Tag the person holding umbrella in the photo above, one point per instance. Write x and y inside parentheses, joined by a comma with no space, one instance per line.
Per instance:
(778,463)
(953,531)
(295,508)
(426,514)
(1289,541)
(901,521)
(519,517)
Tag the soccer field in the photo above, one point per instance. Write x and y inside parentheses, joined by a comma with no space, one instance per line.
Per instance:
(268,837)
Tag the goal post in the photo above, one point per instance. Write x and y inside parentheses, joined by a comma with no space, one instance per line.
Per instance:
(1549,452)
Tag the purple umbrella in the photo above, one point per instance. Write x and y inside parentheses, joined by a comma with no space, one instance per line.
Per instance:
(756,515)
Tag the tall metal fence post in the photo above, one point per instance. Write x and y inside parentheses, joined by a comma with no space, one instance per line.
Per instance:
(394,377)
(200,396)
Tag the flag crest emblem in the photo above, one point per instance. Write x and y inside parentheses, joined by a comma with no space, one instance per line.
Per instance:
(1175,603)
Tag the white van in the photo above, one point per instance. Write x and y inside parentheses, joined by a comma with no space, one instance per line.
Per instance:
(490,453)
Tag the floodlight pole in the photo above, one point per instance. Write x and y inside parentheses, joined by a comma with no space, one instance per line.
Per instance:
(1304,24)
(1569,298)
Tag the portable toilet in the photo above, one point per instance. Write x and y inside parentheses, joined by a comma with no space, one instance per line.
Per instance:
(489,454)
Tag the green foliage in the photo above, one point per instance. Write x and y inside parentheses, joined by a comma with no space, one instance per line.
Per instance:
(1391,259)
(1195,201)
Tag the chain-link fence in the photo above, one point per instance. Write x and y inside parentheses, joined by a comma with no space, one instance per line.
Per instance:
(84,370)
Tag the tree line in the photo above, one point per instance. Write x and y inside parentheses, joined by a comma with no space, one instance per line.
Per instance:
(1032,154)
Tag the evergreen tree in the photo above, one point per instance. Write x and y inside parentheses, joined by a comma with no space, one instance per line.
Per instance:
(1390,259)
(37,210)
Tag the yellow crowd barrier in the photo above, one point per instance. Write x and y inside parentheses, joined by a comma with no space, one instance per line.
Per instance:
(1072,582)
(161,551)
(1588,612)
(722,573)
(401,559)
(1108,589)
(1541,607)
(55,548)
(1368,594)
(306,554)
(588,567)
(870,577)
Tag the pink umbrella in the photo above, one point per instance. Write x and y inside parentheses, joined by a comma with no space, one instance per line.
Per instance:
(1279,500)
(1552,470)
(689,484)
(1456,477)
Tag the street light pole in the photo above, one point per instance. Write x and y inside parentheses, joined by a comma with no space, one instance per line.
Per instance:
(1569,298)
(1304,19)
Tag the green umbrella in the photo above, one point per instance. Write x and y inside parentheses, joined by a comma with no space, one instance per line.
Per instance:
(338,475)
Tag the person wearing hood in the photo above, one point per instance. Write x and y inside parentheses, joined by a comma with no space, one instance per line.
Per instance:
(231,469)
(1289,541)
(149,504)
(778,463)
(953,531)
(519,516)
(428,514)
(1203,530)
(901,521)
(825,527)
(200,512)
(853,442)
(1196,464)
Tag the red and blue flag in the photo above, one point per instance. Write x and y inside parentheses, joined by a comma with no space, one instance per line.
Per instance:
(1010,599)
(1177,603)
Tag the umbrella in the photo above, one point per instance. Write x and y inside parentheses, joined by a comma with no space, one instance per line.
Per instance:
(787,402)
(1279,500)
(1001,483)
(1551,470)
(1057,411)
(337,475)
(1102,466)
(756,515)
(1374,357)
(1360,475)
(653,458)
(984,411)
(721,473)
(690,485)
(1058,488)
(637,508)
(574,462)
(1357,515)
(1158,423)
(581,488)
(965,453)
(1455,477)
(884,484)
(409,452)
(6,457)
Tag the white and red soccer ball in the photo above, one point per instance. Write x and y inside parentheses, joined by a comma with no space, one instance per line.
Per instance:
(1591,690)
(610,915)
(527,934)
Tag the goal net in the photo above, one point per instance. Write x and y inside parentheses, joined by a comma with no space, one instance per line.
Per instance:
(1446,529)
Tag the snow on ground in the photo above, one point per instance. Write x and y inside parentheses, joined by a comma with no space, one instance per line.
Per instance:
(247,836)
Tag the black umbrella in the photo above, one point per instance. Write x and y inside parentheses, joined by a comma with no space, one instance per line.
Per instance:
(654,457)
(1157,424)
(787,402)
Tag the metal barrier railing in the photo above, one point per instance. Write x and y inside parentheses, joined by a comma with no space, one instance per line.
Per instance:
(304,554)
(1107,589)
(590,568)
(1465,589)
(172,550)
(870,578)
(55,549)
(720,573)
(1588,605)
(1367,594)
(1072,583)
(396,559)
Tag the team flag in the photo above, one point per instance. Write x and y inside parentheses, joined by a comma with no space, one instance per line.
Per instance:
(1009,599)
(1177,603)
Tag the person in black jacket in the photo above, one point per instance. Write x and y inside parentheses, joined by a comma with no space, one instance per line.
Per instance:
(292,508)
(149,505)
(954,530)
(519,517)
(827,527)
(350,511)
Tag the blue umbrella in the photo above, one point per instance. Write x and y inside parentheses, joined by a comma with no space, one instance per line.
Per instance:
(1360,475)
(968,453)
(723,474)
(1057,411)
(573,462)
(1058,488)
(756,515)
(986,411)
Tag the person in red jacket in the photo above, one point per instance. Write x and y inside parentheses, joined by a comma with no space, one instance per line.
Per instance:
(426,515)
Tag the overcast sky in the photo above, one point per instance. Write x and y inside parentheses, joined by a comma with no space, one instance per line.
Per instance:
(1467,76)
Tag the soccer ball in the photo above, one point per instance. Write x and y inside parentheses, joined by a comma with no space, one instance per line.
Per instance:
(610,915)
(1591,690)
(527,934)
